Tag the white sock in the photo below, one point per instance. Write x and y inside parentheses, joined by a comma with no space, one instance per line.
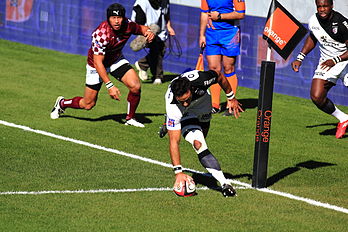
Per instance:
(340,115)
(218,175)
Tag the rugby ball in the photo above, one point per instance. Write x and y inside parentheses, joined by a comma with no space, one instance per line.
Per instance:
(185,188)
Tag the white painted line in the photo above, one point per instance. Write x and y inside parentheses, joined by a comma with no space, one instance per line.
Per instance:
(98,191)
(287,195)
(307,200)
(86,144)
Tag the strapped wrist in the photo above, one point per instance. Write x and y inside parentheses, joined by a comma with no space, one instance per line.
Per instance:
(301,56)
(337,59)
(219,17)
(109,85)
(230,95)
(177,169)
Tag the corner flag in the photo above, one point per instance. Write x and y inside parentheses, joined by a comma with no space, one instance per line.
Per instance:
(282,31)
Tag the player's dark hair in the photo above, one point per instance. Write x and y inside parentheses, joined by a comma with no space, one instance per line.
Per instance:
(180,86)
(115,10)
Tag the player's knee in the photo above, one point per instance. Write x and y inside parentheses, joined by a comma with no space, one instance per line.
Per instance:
(228,69)
(196,144)
(216,68)
(196,138)
(317,99)
(134,87)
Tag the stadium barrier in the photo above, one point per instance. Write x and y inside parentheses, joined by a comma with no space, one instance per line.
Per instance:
(66,26)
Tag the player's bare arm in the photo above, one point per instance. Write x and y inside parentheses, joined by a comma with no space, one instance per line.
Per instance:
(99,66)
(217,16)
(308,46)
(174,149)
(170,28)
(203,26)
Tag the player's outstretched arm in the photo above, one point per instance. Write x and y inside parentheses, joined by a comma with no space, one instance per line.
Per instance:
(232,103)
(174,146)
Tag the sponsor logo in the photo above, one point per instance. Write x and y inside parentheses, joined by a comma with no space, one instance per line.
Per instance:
(262,54)
(208,82)
(263,130)
(319,73)
(171,122)
(280,28)
(18,10)
(327,43)
(335,29)
(345,24)
(97,44)
(116,12)
(276,38)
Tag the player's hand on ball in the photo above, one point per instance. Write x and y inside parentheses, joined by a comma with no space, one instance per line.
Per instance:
(184,185)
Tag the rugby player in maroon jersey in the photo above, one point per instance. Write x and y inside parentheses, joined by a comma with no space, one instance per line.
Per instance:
(105,56)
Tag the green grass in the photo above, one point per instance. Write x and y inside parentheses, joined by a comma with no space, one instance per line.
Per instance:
(31,79)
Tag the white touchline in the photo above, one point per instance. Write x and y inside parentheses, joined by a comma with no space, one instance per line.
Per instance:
(96,191)
(266,190)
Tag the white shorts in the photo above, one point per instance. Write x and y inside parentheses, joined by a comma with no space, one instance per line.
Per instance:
(339,71)
(92,76)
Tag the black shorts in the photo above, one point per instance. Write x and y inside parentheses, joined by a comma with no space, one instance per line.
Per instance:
(194,124)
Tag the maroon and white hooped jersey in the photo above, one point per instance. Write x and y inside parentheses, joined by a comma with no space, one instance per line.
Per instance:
(108,42)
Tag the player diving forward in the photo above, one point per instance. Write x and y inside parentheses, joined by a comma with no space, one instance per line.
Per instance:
(188,109)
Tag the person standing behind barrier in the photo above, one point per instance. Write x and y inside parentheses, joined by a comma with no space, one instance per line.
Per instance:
(330,29)
(148,12)
(105,56)
(220,33)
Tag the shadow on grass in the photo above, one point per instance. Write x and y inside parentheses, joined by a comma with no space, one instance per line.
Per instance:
(247,103)
(120,118)
(310,164)
(209,181)
(206,179)
(331,132)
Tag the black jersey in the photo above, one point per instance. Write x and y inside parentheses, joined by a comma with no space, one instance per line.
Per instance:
(200,106)
(200,81)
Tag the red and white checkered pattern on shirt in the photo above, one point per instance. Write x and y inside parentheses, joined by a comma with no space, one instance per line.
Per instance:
(99,41)
(108,42)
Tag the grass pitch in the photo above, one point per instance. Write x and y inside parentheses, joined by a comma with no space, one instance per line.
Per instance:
(305,159)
